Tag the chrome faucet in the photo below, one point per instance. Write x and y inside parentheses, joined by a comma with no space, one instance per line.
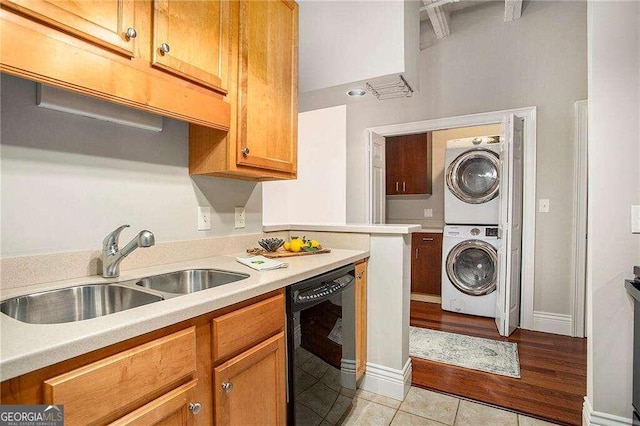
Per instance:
(111,256)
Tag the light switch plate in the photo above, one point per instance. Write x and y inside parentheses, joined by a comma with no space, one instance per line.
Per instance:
(204,218)
(543,206)
(635,219)
(240,217)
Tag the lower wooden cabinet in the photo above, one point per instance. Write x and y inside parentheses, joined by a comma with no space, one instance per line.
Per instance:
(227,367)
(426,264)
(251,389)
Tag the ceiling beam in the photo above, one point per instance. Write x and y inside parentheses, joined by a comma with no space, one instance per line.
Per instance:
(512,10)
(438,16)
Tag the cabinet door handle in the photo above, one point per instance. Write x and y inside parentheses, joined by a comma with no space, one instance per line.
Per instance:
(227,387)
(131,33)
(164,48)
(359,276)
(195,407)
(404,187)
(397,183)
(416,253)
(245,151)
(427,239)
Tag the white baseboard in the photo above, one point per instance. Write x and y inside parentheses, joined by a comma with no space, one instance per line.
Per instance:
(553,323)
(596,418)
(387,381)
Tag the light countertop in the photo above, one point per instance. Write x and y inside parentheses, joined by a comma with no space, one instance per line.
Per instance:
(28,347)
(349,227)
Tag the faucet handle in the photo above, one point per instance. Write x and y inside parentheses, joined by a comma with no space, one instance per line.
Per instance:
(110,242)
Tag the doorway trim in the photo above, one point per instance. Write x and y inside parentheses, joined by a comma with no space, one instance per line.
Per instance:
(529,183)
(579,251)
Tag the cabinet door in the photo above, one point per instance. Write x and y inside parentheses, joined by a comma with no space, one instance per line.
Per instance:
(190,39)
(172,408)
(393,155)
(268,85)
(102,22)
(250,389)
(416,164)
(426,263)
(361,319)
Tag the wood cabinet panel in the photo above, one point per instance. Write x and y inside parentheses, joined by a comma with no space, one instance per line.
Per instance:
(267,107)
(94,392)
(250,389)
(104,23)
(361,319)
(196,36)
(408,164)
(256,323)
(171,408)
(263,75)
(426,263)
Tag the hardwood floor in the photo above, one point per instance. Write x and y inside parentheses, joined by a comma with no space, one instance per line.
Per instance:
(553,368)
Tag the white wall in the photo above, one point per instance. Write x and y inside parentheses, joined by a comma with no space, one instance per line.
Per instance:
(69,180)
(614,185)
(319,193)
(346,41)
(488,65)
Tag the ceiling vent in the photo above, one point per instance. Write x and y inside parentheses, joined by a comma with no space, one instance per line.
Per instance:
(390,89)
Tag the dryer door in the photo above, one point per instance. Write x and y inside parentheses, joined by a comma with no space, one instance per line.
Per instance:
(472,267)
(473,176)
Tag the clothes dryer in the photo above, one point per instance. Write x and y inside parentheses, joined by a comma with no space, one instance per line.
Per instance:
(470,269)
(472,181)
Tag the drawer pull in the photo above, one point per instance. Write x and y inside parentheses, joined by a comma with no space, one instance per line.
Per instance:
(227,387)
(427,239)
(131,33)
(404,186)
(164,48)
(245,151)
(195,407)
(397,183)
(416,252)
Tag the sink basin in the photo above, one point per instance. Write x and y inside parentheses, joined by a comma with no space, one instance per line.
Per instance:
(75,303)
(190,281)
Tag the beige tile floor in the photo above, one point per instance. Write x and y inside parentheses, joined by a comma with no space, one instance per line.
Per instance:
(423,407)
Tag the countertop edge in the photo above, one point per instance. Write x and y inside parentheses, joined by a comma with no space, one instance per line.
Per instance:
(355,228)
(82,337)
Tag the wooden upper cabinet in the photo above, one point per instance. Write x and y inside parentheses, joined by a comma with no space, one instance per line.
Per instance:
(107,23)
(268,105)
(408,164)
(263,92)
(106,49)
(190,39)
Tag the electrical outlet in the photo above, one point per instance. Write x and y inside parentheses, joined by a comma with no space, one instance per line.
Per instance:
(428,212)
(240,217)
(543,206)
(204,218)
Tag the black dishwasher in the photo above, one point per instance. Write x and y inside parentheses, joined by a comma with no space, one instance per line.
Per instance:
(321,373)
(633,287)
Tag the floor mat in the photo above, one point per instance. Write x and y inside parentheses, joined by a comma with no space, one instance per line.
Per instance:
(491,356)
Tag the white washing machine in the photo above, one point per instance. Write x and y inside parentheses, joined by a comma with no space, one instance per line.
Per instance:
(472,181)
(470,269)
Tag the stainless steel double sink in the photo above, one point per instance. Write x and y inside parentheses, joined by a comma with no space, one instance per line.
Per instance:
(88,301)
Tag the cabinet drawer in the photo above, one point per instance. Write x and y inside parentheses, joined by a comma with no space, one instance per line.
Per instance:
(241,329)
(111,387)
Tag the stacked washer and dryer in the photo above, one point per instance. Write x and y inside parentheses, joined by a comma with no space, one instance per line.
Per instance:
(471,213)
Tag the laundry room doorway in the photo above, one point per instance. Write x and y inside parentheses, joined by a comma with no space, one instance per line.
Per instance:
(390,193)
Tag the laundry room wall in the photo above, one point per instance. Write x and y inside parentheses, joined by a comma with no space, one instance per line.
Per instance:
(410,209)
(487,64)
